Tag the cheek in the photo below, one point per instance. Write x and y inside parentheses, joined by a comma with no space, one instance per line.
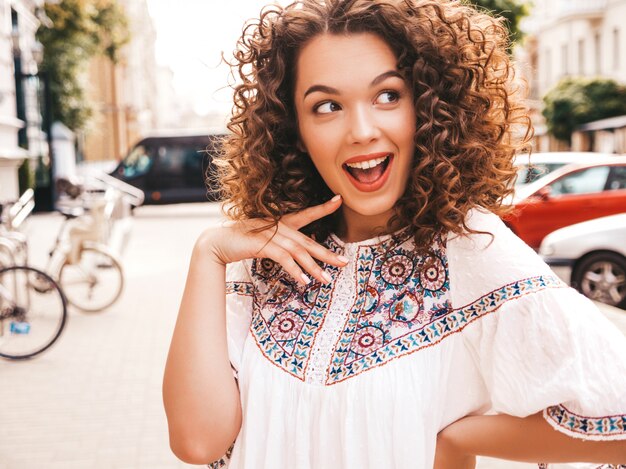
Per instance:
(406,125)
(322,149)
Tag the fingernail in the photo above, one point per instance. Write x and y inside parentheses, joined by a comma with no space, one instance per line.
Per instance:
(336,198)
(343,259)
(306,279)
(326,276)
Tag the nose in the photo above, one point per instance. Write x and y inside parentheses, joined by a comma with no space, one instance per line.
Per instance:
(363,125)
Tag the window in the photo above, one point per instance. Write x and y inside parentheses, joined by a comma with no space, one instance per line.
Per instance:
(617,178)
(564,59)
(597,51)
(548,66)
(581,56)
(616,49)
(14,21)
(527,174)
(137,163)
(171,159)
(585,181)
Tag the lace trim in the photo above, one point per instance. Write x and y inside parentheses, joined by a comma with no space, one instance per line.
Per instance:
(334,321)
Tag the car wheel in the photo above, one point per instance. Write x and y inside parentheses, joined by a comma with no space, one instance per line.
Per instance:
(602,277)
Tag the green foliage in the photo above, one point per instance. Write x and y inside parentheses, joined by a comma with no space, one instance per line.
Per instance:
(511,10)
(575,101)
(78,30)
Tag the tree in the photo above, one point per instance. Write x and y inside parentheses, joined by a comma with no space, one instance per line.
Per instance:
(73,32)
(511,10)
(576,101)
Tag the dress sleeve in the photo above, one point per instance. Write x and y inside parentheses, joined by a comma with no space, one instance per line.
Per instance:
(538,344)
(239,294)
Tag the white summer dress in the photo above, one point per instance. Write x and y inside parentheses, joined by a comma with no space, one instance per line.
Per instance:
(363,372)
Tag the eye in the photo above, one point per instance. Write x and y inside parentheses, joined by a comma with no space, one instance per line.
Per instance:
(387,97)
(326,107)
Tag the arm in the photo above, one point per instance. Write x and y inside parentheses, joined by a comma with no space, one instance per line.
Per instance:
(200,394)
(199,391)
(535,344)
(529,439)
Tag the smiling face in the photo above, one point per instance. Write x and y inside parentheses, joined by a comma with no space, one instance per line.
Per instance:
(356,121)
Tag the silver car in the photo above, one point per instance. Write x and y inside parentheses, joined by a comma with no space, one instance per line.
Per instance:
(591,256)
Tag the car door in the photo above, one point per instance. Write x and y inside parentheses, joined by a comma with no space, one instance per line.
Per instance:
(167,174)
(613,198)
(573,198)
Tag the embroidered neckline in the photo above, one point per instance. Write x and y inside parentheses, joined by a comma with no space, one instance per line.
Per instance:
(385,240)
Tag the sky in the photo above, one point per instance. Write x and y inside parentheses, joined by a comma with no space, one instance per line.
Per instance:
(191,36)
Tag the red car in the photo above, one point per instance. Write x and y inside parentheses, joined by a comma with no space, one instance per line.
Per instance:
(571,194)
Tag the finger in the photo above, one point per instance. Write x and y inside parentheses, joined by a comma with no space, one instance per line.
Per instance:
(310,214)
(286,260)
(315,249)
(304,259)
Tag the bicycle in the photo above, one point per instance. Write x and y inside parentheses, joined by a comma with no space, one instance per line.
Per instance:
(89,273)
(33,307)
(87,268)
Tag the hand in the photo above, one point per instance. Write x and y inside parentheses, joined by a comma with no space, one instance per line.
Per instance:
(237,240)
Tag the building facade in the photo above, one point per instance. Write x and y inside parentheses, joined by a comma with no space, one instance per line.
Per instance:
(124,94)
(21,136)
(573,38)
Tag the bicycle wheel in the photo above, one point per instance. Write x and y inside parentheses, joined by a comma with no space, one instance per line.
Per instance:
(93,283)
(33,311)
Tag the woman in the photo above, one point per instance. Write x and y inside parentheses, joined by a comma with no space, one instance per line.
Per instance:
(366,295)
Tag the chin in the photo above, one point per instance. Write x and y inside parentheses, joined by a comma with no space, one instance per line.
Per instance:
(371,208)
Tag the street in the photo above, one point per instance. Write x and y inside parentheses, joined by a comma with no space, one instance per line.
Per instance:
(94,399)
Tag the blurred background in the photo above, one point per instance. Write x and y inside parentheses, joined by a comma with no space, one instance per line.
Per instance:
(110,112)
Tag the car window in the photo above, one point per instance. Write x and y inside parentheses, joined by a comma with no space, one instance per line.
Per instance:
(585,181)
(137,163)
(617,178)
(171,159)
(527,174)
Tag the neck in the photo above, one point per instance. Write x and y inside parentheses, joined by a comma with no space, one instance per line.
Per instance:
(354,227)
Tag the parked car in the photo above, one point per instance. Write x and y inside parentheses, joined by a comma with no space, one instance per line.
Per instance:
(571,194)
(593,255)
(172,167)
(540,164)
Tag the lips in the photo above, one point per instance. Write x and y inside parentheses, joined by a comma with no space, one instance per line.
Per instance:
(368,172)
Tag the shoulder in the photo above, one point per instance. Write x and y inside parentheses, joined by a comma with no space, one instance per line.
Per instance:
(483,225)
(490,257)
(487,234)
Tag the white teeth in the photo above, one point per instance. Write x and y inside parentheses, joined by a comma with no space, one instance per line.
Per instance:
(368,164)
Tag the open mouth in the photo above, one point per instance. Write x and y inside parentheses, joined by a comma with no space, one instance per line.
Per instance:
(369,175)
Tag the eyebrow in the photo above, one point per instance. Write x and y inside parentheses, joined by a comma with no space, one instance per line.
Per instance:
(329,90)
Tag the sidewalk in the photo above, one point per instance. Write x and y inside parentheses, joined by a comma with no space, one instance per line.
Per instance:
(94,399)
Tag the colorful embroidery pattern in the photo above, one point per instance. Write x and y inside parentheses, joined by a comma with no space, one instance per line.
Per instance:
(395,299)
(286,317)
(606,426)
(400,306)
(443,322)
(240,288)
